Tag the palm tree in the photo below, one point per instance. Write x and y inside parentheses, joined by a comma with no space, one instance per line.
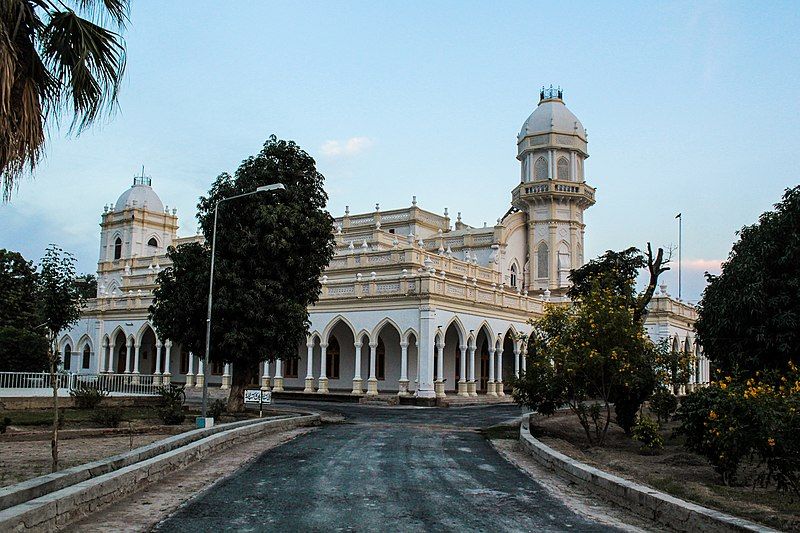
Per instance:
(54,58)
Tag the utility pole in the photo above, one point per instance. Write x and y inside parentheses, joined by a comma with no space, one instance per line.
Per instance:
(680,250)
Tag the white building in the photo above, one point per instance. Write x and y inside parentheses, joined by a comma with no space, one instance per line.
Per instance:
(412,301)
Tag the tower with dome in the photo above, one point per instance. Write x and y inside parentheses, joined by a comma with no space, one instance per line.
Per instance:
(413,303)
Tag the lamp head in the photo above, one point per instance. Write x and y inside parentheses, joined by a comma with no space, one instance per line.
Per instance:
(271,187)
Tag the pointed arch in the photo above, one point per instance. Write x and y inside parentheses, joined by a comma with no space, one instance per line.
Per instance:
(408,333)
(66,339)
(540,169)
(116,332)
(513,331)
(514,274)
(326,333)
(143,330)
(313,337)
(117,247)
(563,170)
(376,331)
(361,334)
(488,331)
(542,260)
(462,331)
(83,341)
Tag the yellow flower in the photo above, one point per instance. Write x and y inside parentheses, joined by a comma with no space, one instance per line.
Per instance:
(723,385)
(771,442)
(712,415)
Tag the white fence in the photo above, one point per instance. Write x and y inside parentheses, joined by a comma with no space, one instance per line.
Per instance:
(114,384)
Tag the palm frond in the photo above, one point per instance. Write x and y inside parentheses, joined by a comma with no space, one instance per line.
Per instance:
(101,10)
(88,61)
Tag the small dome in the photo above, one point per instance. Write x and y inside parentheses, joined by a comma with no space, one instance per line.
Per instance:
(552,115)
(142,194)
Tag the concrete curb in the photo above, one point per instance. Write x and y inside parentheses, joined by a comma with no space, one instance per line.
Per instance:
(39,486)
(58,508)
(649,503)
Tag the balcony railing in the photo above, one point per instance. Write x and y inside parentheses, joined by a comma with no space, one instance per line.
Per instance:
(19,383)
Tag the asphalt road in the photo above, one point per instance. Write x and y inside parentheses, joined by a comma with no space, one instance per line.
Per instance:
(383,469)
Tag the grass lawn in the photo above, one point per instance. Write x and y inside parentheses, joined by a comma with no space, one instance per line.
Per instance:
(675,471)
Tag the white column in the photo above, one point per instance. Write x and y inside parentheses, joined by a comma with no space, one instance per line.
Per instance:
(357,370)
(226,377)
(137,347)
(402,389)
(111,368)
(472,388)
(323,368)
(157,376)
(190,371)
(265,376)
(277,383)
(101,362)
(490,391)
(167,377)
(372,382)
(425,387)
(440,367)
(128,354)
(310,367)
(462,378)
(498,385)
(200,378)
(516,360)
(524,360)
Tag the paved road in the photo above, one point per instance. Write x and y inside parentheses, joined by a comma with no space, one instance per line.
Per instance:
(383,469)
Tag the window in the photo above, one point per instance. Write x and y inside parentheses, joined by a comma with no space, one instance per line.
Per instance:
(391,230)
(543,261)
(184,362)
(87,355)
(563,169)
(540,169)
(152,242)
(118,248)
(380,360)
(67,356)
(290,366)
(332,359)
(514,276)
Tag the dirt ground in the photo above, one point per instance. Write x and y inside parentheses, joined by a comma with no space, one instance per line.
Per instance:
(27,459)
(675,471)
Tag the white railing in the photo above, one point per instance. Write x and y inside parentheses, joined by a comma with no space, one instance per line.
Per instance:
(114,384)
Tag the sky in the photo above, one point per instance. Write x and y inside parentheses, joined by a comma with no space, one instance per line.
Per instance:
(690,107)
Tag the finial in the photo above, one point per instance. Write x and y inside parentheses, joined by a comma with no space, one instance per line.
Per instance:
(459,216)
(105,209)
(445,212)
(414,200)
(347,210)
(377,207)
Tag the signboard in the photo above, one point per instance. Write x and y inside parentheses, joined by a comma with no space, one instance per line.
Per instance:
(257,397)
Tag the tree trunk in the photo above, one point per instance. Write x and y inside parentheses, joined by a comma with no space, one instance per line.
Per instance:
(54,384)
(241,377)
(656,267)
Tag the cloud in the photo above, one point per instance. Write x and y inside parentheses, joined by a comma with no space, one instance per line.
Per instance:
(347,148)
(710,265)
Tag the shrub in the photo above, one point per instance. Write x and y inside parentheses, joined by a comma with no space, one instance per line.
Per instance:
(170,408)
(730,421)
(645,431)
(87,396)
(663,404)
(4,423)
(217,408)
(107,418)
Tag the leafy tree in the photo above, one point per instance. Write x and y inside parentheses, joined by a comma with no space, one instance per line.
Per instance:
(54,57)
(269,258)
(17,284)
(87,285)
(178,311)
(59,303)
(749,316)
(585,356)
(22,350)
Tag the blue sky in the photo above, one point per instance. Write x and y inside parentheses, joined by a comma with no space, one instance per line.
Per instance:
(690,107)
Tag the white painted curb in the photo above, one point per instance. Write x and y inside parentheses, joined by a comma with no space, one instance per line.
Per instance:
(654,505)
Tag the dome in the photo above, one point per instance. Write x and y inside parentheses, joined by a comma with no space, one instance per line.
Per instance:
(142,194)
(551,115)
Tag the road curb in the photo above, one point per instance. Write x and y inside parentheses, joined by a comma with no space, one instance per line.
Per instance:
(649,503)
(60,507)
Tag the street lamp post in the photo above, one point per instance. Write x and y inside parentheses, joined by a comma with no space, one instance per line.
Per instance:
(264,188)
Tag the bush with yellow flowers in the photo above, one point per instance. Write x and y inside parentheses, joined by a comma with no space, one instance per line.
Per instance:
(755,420)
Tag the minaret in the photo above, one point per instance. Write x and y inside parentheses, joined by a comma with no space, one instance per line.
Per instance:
(551,148)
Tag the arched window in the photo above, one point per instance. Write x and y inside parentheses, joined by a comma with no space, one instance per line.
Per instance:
(380,360)
(152,242)
(67,356)
(542,261)
(87,355)
(118,248)
(563,169)
(332,361)
(514,276)
(540,169)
